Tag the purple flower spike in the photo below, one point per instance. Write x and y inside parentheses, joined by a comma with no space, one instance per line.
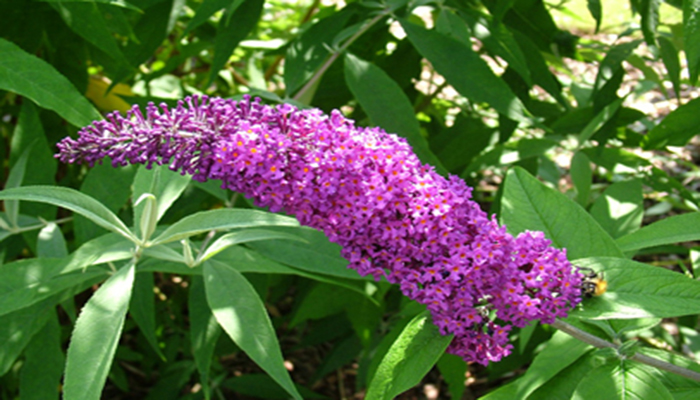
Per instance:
(367,191)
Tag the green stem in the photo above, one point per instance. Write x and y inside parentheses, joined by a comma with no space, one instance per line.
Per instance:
(600,343)
(310,84)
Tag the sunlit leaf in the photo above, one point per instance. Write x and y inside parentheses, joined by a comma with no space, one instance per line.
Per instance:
(29,76)
(409,358)
(96,335)
(242,314)
(527,204)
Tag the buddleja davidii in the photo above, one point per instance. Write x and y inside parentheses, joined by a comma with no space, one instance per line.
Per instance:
(367,191)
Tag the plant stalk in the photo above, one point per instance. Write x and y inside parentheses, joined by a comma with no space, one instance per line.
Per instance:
(601,343)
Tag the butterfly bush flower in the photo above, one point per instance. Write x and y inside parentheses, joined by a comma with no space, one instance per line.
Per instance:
(367,191)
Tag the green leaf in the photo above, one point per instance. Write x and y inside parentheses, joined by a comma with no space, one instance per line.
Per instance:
(603,117)
(73,200)
(409,359)
(596,11)
(619,209)
(497,39)
(29,132)
(142,308)
(451,58)
(246,236)
(387,105)
(676,129)
(453,369)
(649,11)
(220,219)
(637,290)
(669,55)
(18,327)
(564,383)
(234,26)
(581,177)
(527,204)
(29,76)
(206,10)
(51,242)
(539,69)
(116,3)
(14,179)
(40,377)
(324,300)
(204,331)
(562,350)
(308,51)
(96,336)
(621,380)
(691,37)
(674,229)
(611,67)
(509,153)
(242,314)
(87,21)
(318,255)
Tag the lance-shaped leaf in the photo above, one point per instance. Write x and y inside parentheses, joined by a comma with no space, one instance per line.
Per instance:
(677,128)
(204,331)
(29,76)
(96,336)
(245,236)
(527,204)
(464,70)
(240,311)
(234,26)
(675,229)
(409,358)
(691,37)
(14,179)
(74,201)
(218,220)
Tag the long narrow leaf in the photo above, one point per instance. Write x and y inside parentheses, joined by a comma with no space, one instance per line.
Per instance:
(29,76)
(14,179)
(675,229)
(246,236)
(72,200)
(96,335)
(204,331)
(676,129)
(239,310)
(219,220)
(410,357)
(691,37)
(465,70)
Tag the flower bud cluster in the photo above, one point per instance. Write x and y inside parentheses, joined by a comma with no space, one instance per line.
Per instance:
(367,191)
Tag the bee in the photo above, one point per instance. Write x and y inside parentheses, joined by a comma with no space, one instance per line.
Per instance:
(593,284)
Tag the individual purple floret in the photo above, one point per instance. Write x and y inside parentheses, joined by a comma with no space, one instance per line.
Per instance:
(367,191)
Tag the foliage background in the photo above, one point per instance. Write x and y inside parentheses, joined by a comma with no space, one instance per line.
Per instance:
(495,91)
